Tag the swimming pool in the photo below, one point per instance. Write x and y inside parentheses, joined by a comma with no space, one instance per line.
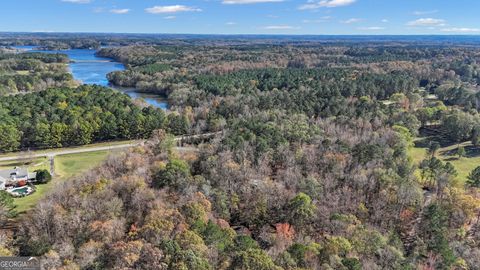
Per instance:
(20,192)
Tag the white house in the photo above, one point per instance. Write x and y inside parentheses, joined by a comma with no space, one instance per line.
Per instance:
(14,176)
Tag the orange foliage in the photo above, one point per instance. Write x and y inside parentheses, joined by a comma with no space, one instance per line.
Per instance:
(285,230)
(222,223)
(283,238)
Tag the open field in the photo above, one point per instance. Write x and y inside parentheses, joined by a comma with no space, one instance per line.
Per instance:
(66,149)
(22,72)
(34,164)
(70,165)
(66,166)
(448,153)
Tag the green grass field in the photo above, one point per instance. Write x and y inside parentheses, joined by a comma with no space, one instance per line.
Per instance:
(66,166)
(26,203)
(88,146)
(22,72)
(35,164)
(70,165)
(447,153)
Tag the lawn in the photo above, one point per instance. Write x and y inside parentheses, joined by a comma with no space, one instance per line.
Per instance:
(23,72)
(66,166)
(26,203)
(35,164)
(69,165)
(447,153)
(88,146)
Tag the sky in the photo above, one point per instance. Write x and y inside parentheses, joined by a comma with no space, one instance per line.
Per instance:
(298,17)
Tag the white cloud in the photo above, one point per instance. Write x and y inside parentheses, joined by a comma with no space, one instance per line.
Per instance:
(243,2)
(170,17)
(461,30)
(77,1)
(372,28)
(351,20)
(427,22)
(170,9)
(385,21)
(280,27)
(120,11)
(321,20)
(424,12)
(312,4)
(231,23)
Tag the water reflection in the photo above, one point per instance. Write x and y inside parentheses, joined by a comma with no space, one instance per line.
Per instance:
(91,69)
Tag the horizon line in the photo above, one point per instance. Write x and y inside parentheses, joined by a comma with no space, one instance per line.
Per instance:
(237,34)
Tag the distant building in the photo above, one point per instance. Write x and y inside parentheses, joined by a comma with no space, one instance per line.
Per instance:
(15,176)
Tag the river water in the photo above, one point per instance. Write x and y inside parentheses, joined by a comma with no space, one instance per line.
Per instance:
(91,69)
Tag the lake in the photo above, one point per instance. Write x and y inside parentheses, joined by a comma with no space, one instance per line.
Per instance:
(91,69)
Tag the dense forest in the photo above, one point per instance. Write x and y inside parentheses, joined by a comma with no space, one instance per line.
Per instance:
(312,168)
(65,117)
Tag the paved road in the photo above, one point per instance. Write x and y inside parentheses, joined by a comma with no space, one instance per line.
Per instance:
(58,152)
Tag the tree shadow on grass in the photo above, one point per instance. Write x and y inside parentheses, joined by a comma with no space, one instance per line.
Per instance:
(432,135)
(17,164)
(425,142)
(427,136)
(471,151)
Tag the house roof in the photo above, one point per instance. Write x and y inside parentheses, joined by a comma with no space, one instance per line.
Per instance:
(17,172)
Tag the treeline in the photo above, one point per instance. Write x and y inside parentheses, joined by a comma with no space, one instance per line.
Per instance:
(327,82)
(54,44)
(463,96)
(27,72)
(66,117)
(134,55)
(42,57)
(152,65)
(148,69)
(411,52)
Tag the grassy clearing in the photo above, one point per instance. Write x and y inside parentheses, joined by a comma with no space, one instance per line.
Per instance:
(66,166)
(89,146)
(70,165)
(26,203)
(35,164)
(22,72)
(448,153)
